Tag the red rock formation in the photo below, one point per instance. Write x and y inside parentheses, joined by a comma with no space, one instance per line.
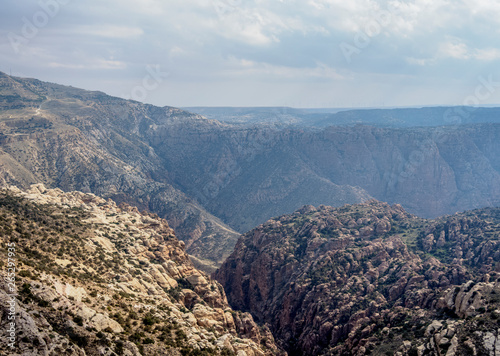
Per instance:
(350,280)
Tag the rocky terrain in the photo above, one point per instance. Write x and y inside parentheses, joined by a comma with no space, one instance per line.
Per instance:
(94,278)
(97,276)
(371,279)
(211,180)
(78,140)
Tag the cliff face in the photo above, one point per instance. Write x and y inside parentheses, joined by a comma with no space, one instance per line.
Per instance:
(245,176)
(93,278)
(371,279)
(431,171)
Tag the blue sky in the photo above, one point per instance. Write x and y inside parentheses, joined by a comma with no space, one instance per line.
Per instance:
(307,53)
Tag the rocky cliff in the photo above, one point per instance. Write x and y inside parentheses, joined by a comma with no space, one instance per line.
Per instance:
(246,176)
(371,279)
(92,278)
(78,140)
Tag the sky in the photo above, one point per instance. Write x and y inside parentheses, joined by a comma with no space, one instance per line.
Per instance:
(296,53)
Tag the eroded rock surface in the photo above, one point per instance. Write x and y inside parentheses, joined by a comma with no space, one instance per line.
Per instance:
(371,279)
(95,278)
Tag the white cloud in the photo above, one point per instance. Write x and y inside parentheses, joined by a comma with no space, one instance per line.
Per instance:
(177,51)
(237,67)
(258,26)
(398,17)
(484,8)
(283,42)
(110,31)
(488,54)
(454,50)
(146,7)
(460,50)
(421,61)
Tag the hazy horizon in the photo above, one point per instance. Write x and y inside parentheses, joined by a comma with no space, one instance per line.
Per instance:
(493,105)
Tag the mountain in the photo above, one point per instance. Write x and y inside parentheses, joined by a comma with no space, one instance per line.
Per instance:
(212,180)
(244,176)
(371,279)
(79,140)
(247,175)
(94,278)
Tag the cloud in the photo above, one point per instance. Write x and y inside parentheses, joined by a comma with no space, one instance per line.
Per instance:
(411,47)
(110,31)
(455,49)
(243,67)
(488,54)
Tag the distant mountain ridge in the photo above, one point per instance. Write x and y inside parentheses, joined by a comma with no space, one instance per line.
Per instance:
(380,117)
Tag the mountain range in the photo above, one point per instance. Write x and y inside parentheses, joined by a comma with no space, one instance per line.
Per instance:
(308,118)
(118,209)
(214,180)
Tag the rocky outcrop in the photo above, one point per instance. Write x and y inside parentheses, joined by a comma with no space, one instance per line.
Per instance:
(370,279)
(94,278)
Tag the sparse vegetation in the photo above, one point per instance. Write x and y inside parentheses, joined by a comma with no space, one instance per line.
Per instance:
(371,275)
(57,246)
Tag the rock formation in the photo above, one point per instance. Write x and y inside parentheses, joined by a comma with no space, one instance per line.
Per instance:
(94,278)
(371,279)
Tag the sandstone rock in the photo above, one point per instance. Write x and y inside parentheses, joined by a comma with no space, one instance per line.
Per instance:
(333,298)
(121,282)
(197,280)
(102,322)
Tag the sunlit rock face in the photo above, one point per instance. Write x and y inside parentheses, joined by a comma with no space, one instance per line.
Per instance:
(95,278)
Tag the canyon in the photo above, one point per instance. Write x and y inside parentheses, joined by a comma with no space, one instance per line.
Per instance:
(213,180)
